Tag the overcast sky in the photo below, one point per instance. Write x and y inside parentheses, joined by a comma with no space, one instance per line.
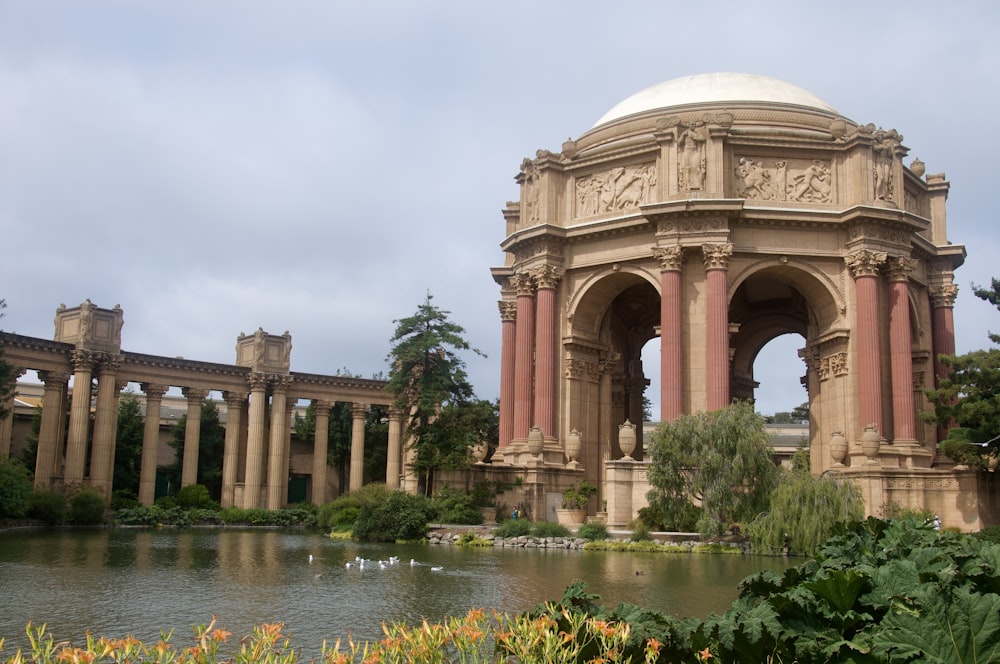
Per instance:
(318,167)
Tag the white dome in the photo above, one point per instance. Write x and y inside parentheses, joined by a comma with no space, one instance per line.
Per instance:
(719,87)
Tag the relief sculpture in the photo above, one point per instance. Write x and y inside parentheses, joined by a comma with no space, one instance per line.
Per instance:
(620,188)
(756,180)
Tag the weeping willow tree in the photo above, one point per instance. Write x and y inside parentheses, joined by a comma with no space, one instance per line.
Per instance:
(804,509)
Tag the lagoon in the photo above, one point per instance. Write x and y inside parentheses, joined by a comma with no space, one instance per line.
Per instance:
(138,581)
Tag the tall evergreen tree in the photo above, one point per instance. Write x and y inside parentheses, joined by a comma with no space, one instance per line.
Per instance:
(128,445)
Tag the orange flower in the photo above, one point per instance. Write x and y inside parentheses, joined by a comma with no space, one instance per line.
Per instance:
(704,655)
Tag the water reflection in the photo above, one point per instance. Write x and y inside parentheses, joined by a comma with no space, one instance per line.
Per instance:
(138,581)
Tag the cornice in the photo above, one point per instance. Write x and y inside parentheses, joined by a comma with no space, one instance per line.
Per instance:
(34,343)
(366,384)
(178,363)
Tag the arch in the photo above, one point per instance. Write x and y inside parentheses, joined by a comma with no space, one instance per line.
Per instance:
(588,305)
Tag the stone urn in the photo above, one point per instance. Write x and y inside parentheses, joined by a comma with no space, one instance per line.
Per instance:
(918,168)
(573,447)
(838,448)
(870,443)
(536,442)
(479,451)
(626,439)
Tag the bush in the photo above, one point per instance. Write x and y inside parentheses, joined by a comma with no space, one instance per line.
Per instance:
(455,507)
(15,488)
(342,511)
(400,517)
(195,496)
(513,528)
(48,506)
(640,531)
(593,531)
(549,529)
(86,507)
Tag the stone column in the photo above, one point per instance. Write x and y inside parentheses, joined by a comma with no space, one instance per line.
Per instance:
(287,447)
(523,355)
(508,341)
(231,447)
(79,417)
(547,277)
(864,266)
(716,257)
(7,423)
(192,435)
(671,332)
(150,442)
(50,430)
(105,426)
(942,333)
(395,452)
(277,456)
(358,412)
(901,351)
(257,425)
(321,409)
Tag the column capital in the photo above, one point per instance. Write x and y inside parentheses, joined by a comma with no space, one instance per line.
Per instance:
(716,256)
(508,311)
(671,259)
(280,383)
(109,363)
(865,263)
(547,276)
(234,399)
(943,296)
(83,360)
(396,413)
(153,390)
(53,377)
(194,393)
(359,410)
(899,268)
(321,406)
(257,381)
(523,284)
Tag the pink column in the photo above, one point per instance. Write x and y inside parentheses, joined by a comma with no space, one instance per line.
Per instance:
(671,340)
(716,258)
(901,355)
(508,339)
(864,266)
(150,442)
(523,354)
(547,278)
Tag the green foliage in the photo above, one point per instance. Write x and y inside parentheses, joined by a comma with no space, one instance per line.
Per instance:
(339,512)
(427,376)
(803,512)
(195,496)
(893,510)
(400,516)
(594,531)
(8,377)
(29,453)
(15,488)
(721,460)
(211,445)
(128,445)
(453,506)
(86,507)
(549,529)
(990,534)
(684,519)
(513,528)
(577,496)
(640,531)
(48,506)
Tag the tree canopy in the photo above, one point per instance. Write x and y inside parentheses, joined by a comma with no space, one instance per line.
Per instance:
(427,377)
(721,461)
(128,445)
(968,397)
(211,445)
(8,376)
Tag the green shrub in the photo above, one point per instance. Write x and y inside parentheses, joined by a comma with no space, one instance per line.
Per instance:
(121,498)
(400,516)
(139,515)
(166,502)
(339,512)
(452,506)
(86,507)
(640,531)
(48,506)
(513,528)
(989,534)
(15,488)
(195,496)
(549,529)
(593,531)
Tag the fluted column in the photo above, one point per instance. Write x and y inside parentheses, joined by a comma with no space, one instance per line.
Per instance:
(508,340)
(321,409)
(523,355)
(864,266)
(257,425)
(358,412)
(79,416)
(395,452)
(277,455)
(671,332)
(51,427)
(231,447)
(7,423)
(901,351)
(192,435)
(105,426)
(547,278)
(716,257)
(942,334)
(150,442)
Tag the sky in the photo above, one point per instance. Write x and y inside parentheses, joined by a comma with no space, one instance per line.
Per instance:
(215,166)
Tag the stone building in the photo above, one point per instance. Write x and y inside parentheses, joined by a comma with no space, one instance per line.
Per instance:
(715,213)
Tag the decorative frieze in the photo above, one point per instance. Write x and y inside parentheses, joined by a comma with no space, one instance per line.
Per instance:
(620,188)
(784,180)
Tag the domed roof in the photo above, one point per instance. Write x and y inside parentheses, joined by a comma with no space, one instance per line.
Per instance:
(720,87)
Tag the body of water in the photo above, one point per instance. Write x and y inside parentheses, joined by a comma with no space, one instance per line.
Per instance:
(135,581)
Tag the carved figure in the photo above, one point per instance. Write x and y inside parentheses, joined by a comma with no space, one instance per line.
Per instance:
(883,150)
(812,185)
(691,171)
(753,180)
(621,187)
(532,190)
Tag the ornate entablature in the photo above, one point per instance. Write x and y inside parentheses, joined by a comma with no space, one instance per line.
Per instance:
(797,180)
(619,188)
